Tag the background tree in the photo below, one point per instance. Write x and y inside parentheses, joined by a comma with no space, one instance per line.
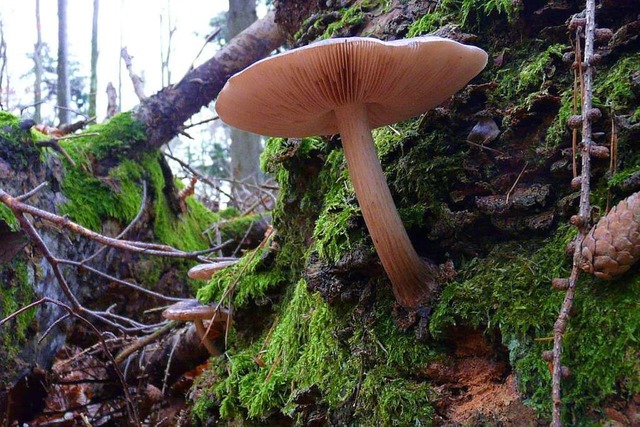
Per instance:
(245,147)
(93,84)
(4,74)
(64,91)
(37,60)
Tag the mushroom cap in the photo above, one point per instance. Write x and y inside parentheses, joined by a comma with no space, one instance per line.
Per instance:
(192,309)
(295,93)
(206,271)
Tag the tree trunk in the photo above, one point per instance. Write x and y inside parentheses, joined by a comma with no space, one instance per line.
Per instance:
(64,91)
(37,90)
(245,147)
(3,70)
(93,85)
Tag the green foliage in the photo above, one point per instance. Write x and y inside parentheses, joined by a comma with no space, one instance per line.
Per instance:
(118,196)
(250,278)
(91,200)
(558,132)
(354,15)
(508,8)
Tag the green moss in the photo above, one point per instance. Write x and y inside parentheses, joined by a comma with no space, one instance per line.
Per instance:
(92,200)
(474,11)
(16,145)
(250,279)
(354,16)
(558,132)
(393,401)
(615,87)
(510,291)
(429,22)
(533,73)
(185,230)
(302,352)
(117,196)
(333,234)
(15,292)
(8,217)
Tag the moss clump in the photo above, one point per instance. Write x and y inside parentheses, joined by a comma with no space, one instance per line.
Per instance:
(183,231)
(333,233)
(16,145)
(309,348)
(92,200)
(353,16)
(466,13)
(8,218)
(615,88)
(15,292)
(118,195)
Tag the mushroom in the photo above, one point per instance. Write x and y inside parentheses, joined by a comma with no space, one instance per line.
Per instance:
(191,310)
(350,86)
(205,271)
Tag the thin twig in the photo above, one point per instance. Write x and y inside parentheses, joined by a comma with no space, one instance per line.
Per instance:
(516,182)
(30,193)
(584,213)
(144,341)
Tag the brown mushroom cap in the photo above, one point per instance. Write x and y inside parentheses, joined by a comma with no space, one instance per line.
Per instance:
(192,309)
(206,271)
(294,94)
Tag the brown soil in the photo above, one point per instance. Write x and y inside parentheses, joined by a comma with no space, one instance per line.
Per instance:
(476,385)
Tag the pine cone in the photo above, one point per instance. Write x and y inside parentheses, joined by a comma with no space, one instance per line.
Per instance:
(613,245)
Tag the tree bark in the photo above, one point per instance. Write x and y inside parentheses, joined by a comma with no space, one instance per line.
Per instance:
(64,91)
(165,112)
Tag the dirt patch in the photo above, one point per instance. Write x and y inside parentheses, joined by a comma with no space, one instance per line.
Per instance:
(476,385)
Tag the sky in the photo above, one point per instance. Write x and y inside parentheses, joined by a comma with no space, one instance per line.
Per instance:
(137,20)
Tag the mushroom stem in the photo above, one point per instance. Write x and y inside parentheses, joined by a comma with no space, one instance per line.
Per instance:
(202,333)
(412,281)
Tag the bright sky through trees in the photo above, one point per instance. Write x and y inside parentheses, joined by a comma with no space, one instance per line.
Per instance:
(137,20)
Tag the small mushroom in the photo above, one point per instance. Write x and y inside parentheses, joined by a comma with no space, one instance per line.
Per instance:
(206,271)
(350,86)
(484,132)
(191,310)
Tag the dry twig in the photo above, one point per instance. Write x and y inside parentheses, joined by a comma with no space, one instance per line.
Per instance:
(584,213)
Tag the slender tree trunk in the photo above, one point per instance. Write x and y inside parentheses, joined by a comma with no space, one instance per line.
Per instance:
(245,147)
(165,51)
(93,85)
(3,69)
(64,91)
(37,59)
